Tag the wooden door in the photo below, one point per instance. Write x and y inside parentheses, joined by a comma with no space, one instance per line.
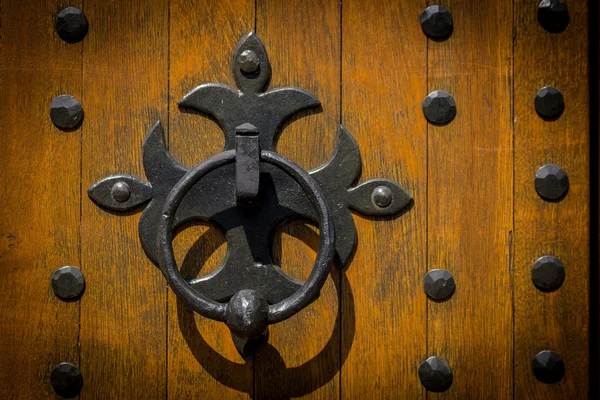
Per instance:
(476,212)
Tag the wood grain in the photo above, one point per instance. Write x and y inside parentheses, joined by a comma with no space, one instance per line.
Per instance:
(39,205)
(470,201)
(384,68)
(202,361)
(303,42)
(123,315)
(556,321)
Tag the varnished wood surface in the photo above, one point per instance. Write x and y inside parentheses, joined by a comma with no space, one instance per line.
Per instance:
(556,321)
(475,209)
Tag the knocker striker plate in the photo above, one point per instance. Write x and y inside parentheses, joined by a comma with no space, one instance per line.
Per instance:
(248,199)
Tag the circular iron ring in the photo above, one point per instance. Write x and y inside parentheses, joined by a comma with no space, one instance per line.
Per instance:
(213,309)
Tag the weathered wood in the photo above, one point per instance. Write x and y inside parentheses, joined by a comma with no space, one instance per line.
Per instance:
(470,200)
(39,205)
(303,42)
(384,68)
(123,314)
(555,321)
(202,360)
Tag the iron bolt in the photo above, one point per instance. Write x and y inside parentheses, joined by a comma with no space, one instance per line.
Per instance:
(71,24)
(439,107)
(66,112)
(551,182)
(247,314)
(548,273)
(553,15)
(436,22)
(549,103)
(439,284)
(382,196)
(435,374)
(548,367)
(68,283)
(121,192)
(248,61)
(66,380)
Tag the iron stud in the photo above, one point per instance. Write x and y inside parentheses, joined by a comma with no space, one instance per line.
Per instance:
(66,112)
(551,182)
(549,103)
(548,273)
(248,61)
(382,196)
(121,192)
(71,24)
(436,22)
(553,15)
(68,283)
(548,367)
(439,284)
(66,380)
(435,374)
(439,107)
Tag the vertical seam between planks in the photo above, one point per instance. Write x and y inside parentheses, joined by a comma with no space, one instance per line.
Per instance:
(511,237)
(341,268)
(168,147)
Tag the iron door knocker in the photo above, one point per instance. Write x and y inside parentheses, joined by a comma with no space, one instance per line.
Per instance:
(248,190)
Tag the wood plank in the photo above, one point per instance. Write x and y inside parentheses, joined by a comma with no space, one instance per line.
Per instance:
(556,321)
(39,209)
(123,315)
(202,360)
(303,42)
(470,200)
(384,68)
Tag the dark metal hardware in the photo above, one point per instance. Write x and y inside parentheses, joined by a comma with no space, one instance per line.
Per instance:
(435,374)
(548,367)
(439,284)
(548,273)
(551,182)
(71,24)
(549,103)
(553,15)
(436,22)
(68,283)
(439,107)
(66,112)
(248,190)
(66,380)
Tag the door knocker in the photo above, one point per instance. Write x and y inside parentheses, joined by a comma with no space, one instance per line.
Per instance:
(248,190)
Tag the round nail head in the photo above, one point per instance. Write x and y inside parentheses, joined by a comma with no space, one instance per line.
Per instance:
(435,374)
(439,107)
(436,22)
(548,367)
(549,103)
(66,380)
(548,273)
(247,314)
(439,284)
(551,182)
(66,112)
(248,61)
(553,15)
(68,283)
(382,196)
(71,24)
(121,192)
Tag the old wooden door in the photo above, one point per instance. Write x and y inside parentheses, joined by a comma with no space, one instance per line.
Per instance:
(476,212)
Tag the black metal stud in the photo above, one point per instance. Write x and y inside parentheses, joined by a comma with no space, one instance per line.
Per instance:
(71,24)
(439,107)
(66,112)
(439,284)
(66,380)
(436,22)
(551,182)
(548,367)
(120,191)
(553,15)
(435,374)
(549,103)
(68,283)
(382,196)
(248,61)
(548,273)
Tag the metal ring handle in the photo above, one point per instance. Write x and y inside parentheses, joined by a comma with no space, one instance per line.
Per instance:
(247,314)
